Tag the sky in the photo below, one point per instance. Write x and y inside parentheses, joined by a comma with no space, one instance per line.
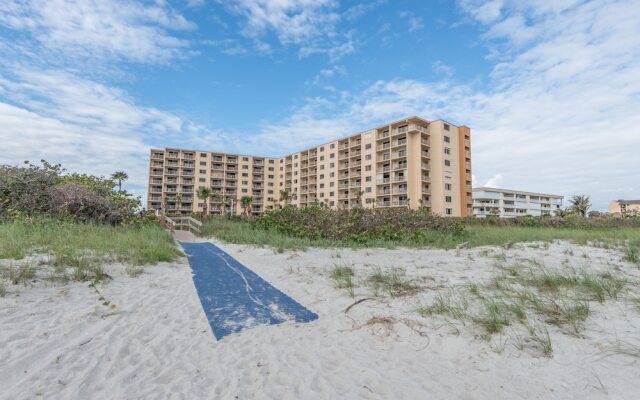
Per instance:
(550,89)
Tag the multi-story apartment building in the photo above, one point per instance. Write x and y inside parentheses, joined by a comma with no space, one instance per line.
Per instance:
(407,163)
(624,207)
(513,203)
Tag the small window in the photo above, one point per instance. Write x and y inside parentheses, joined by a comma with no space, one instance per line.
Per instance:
(331,184)
(270,176)
(271,161)
(447,163)
(321,148)
(270,168)
(295,157)
(322,167)
(245,158)
(321,158)
(367,146)
(245,174)
(331,175)
(245,167)
(270,183)
(446,127)
(322,186)
(331,194)
(203,171)
(203,154)
(447,186)
(368,190)
(321,176)
(332,146)
(295,164)
(447,150)
(331,165)
(448,211)
(321,194)
(367,167)
(367,157)
(332,155)
(202,180)
(245,182)
(245,190)
(270,191)
(203,163)
(367,179)
(447,139)
(447,199)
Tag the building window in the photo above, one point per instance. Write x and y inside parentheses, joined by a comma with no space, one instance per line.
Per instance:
(446,127)
(321,194)
(245,174)
(321,148)
(322,186)
(203,154)
(331,175)
(270,168)
(321,158)
(447,139)
(448,211)
(271,161)
(245,182)
(367,167)
(295,164)
(447,186)
(367,157)
(245,167)
(447,163)
(322,167)
(332,155)
(447,199)
(202,180)
(331,184)
(447,150)
(332,146)
(331,194)
(245,158)
(368,190)
(245,190)
(270,191)
(321,176)
(203,163)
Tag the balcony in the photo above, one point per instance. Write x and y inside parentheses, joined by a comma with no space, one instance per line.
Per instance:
(382,135)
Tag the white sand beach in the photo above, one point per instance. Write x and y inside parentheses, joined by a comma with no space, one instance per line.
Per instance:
(60,342)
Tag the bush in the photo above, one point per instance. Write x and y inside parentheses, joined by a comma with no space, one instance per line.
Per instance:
(46,190)
(358,225)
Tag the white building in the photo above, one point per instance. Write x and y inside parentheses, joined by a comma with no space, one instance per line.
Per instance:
(513,203)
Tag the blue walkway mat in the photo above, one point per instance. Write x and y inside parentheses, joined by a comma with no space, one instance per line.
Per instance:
(235,298)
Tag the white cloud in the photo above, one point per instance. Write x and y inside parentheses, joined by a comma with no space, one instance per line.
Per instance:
(415,22)
(494,181)
(103,29)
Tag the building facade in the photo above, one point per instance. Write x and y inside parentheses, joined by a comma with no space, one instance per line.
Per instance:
(624,207)
(513,203)
(407,163)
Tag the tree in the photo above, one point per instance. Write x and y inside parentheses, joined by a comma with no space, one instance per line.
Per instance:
(217,198)
(359,194)
(580,204)
(245,202)
(284,197)
(120,176)
(204,193)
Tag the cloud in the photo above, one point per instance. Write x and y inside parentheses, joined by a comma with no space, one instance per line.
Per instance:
(415,23)
(311,25)
(494,181)
(112,29)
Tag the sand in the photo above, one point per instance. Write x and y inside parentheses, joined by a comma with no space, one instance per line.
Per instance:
(60,342)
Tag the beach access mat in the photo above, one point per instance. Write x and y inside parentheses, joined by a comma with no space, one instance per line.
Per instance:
(235,298)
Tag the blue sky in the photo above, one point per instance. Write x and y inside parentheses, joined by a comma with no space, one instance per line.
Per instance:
(551,90)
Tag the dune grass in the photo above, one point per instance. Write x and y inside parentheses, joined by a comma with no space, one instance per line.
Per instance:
(71,242)
(242,232)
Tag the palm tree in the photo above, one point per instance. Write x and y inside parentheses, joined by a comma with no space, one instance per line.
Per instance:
(120,176)
(580,204)
(204,193)
(284,197)
(245,202)
(359,194)
(216,198)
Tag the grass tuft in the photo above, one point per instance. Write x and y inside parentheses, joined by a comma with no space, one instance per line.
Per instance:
(343,278)
(392,281)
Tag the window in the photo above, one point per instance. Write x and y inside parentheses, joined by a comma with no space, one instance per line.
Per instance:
(322,167)
(245,190)
(447,150)
(332,155)
(367,167)
(321,194)
(447,186)
(295,181)
(448,211)
(322,186)
(203,154)
(203,171)
(203,163)
(331,175)
(271,161)
(321,158)
(245,158)
(447,199)
(295,157)
(447,163)
(446,127)
(245,182)
(281,169)
(321,176)
(332,146)
(245,174)
(270,176)
(245,167)
(367,146)
(368,190)
(447,139)
(331,194)
(367,179)
(331,184)
(367,157)
(295,172)
(331,165)
(322,148)
(270,168)
(202,180)
(270,191)
(295,164)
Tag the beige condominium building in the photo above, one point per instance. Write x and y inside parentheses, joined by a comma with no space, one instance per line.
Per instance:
(513,203)
(407,163)
(624,207)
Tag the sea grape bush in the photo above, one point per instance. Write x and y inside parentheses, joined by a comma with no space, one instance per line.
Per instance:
(358,225)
